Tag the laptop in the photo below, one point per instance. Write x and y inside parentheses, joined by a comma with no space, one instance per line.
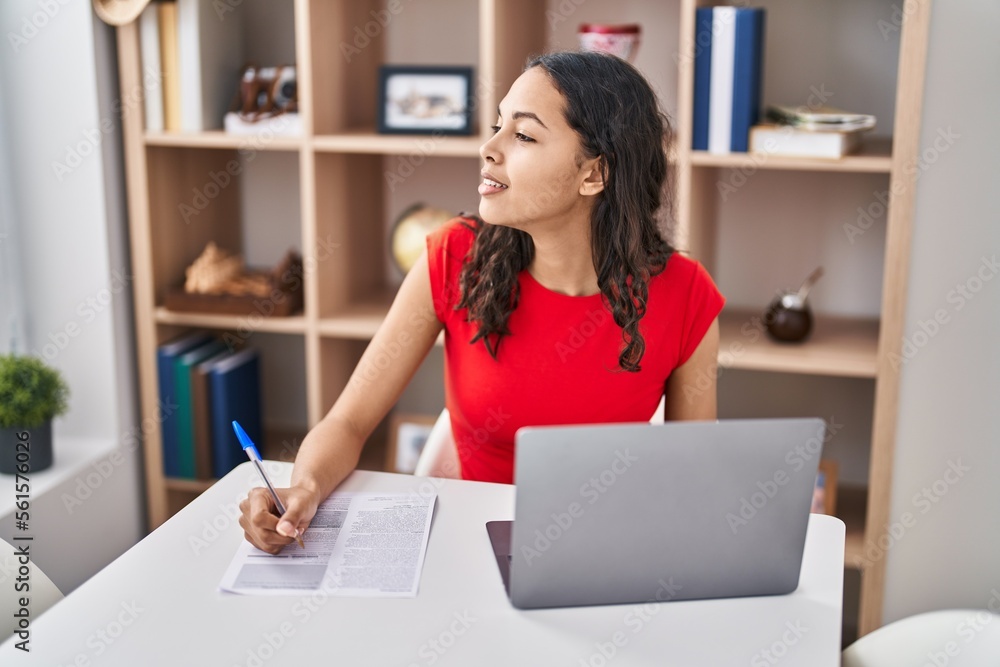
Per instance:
(630,513)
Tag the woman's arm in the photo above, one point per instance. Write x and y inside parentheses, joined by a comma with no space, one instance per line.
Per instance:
(690,390)
(330,452)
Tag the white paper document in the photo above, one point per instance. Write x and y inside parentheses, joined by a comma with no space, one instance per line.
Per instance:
(359,544)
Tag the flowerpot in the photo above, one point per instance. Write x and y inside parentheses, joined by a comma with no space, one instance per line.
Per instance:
(26,445)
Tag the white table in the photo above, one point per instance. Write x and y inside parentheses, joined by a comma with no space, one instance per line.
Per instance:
(158,604)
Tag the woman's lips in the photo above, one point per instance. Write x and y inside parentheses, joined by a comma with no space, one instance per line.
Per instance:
(491,187)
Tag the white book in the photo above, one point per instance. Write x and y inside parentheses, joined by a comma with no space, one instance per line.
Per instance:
(211,59)
(789,141)
(720,99)
(152,70)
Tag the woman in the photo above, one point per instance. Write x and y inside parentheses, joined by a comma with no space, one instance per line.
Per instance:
(561,303)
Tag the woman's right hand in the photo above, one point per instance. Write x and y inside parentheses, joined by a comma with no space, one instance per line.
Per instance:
(261,524)
(332,448)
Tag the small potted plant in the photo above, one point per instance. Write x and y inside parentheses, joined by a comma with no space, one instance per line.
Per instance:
(31,394)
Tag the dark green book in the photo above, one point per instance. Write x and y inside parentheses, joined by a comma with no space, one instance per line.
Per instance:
(183,368)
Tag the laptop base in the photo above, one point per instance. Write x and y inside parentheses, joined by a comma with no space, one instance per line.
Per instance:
(500,537)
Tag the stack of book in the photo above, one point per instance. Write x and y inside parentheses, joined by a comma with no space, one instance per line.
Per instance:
(191,60)
(204,387)
(728,64)
(822,132)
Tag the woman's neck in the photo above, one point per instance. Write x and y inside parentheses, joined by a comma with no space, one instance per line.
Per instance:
(563,260)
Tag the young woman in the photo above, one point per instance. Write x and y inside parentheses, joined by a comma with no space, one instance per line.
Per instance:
(561,302)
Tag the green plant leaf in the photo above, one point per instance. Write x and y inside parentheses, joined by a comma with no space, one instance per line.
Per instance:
(31,393)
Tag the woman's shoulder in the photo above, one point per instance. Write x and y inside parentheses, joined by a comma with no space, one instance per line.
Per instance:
(682,277)
(454,238)
(680,270)
(447,249)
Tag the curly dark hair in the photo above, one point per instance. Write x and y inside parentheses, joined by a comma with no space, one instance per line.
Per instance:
(615,112)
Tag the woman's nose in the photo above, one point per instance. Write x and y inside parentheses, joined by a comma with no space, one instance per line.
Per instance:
(489,150)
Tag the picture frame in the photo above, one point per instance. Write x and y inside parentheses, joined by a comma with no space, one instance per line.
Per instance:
(407,435)
(424,99)
(825,492)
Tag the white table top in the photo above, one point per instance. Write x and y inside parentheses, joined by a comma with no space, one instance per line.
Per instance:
(158,604)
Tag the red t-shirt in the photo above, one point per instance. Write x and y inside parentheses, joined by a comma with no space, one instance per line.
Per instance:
(559,365)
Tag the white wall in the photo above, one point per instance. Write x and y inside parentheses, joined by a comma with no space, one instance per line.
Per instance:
(950,392)
(57,77)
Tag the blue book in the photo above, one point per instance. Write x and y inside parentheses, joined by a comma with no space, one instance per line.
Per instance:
(747,78)
(184,366)
(165,356)
(702,78)
(234,385)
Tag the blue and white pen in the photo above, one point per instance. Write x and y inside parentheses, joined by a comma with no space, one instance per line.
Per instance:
(254,455)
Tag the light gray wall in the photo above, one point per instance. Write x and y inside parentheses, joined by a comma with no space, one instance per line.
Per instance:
(950,392)
(61,217)
(63,198)
(11,297)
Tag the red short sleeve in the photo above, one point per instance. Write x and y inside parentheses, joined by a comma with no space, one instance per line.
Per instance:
(447,248)
(704,303)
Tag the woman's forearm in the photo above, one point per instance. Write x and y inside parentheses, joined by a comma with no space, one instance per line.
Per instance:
(328,454)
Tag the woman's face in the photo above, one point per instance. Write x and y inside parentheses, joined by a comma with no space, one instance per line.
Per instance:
(534,169)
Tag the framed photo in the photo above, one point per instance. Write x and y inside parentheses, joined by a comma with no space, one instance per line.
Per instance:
(407,435)
(416,99)
(825,493)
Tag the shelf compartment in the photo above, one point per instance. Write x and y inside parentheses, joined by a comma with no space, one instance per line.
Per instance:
(295,324)
(349,40)
(369,141)
(225,196)
(220,139)
(278,445)
(838,346)
(875,156)
(358,320)
(349,216)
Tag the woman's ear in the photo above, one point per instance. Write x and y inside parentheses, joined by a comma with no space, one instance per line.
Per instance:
(593,177)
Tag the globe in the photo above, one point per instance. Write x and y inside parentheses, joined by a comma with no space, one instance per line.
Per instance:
(410,231)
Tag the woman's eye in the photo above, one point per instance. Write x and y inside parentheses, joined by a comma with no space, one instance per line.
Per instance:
(517,135)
